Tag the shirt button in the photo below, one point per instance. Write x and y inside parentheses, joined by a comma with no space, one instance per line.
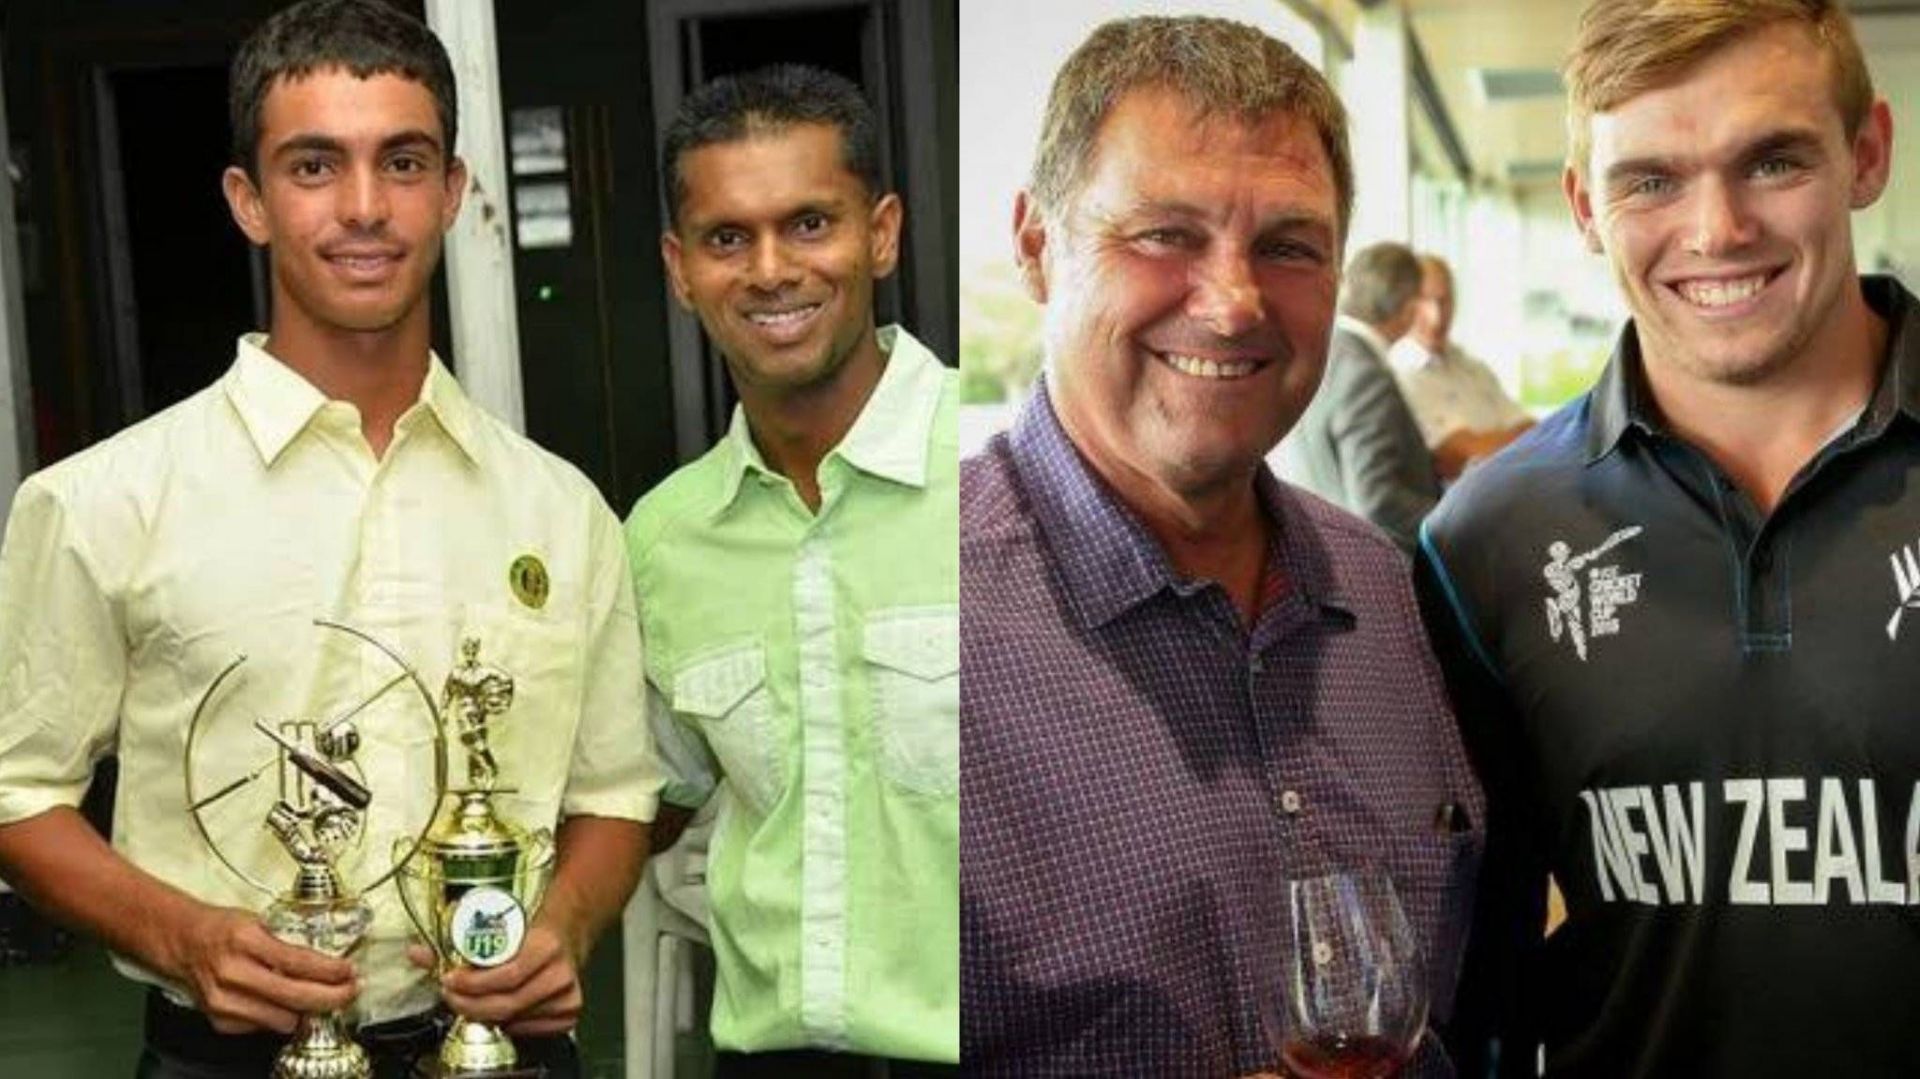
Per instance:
(1256,665)
(1290,802)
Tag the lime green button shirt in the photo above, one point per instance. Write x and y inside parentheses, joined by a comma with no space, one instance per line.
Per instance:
(808,670)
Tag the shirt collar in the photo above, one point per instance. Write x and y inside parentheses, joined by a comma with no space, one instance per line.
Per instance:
(1364,332)
(451,408)
(1619,400)
(892,436)
(1305,556)
(1899,388)
(1108,560)
(1408,354)
(276,403)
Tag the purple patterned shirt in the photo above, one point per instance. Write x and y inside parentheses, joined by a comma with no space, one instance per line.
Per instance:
(1141,774)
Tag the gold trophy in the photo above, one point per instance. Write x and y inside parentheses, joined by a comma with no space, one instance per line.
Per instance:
(318,819)
(475,877)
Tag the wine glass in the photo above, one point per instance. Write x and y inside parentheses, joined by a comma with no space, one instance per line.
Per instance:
(1356,1003)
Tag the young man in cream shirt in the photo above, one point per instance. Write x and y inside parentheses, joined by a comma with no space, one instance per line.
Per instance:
(336,471)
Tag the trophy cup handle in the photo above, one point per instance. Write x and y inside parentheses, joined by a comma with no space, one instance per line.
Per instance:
(403,850)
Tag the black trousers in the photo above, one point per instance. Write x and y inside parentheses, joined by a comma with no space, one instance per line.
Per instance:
(181,1044)
(813,1064)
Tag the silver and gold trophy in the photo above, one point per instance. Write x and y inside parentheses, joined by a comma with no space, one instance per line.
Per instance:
(475,878)
(318,818)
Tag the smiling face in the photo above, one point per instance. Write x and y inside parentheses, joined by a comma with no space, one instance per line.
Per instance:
(356,190)
(1723,203)
(1189,287)
(776,249)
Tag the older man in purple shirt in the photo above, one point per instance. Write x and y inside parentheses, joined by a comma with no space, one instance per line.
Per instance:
(1184,682)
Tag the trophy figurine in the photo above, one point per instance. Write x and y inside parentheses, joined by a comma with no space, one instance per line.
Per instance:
(318,818)
(475,876)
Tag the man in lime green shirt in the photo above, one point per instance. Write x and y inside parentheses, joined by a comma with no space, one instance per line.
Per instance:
(798,589)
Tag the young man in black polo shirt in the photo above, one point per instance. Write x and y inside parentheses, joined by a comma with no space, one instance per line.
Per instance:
(1677,614)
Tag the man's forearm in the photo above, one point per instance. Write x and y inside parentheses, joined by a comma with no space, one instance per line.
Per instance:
(597,866)
(59,863)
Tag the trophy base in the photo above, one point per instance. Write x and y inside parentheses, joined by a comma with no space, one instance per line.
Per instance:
(321,1049)
(482,1051)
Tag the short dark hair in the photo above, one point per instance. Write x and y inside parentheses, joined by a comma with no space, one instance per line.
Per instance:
(364,37)
(766,101)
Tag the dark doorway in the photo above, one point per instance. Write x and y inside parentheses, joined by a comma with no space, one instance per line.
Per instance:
(192,274)
(591,296)
(830,38)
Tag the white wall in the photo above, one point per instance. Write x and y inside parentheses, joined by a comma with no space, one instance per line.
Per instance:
(1887,235)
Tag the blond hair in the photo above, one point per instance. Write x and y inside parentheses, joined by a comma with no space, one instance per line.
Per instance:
(1625,48)
(1217,66)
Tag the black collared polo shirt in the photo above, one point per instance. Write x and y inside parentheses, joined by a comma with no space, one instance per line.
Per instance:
(1705,723)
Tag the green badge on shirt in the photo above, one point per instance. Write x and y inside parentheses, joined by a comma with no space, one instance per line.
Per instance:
(529,580)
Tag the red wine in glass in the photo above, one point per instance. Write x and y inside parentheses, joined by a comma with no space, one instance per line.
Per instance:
(1338,1057)
(1355,998)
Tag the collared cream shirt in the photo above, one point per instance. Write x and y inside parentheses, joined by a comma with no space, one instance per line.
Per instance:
(135,571)
(1451,392)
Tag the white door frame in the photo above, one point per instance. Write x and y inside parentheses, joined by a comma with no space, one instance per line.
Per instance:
(481,299)
(16,396)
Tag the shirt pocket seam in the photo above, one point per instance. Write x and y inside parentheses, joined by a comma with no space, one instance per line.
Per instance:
(731,708)
(913,657)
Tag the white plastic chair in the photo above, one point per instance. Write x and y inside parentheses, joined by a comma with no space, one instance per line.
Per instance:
(664,929)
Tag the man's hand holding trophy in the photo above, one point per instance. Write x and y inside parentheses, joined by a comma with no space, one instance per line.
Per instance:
(468,879)
(470,888)
(310,926)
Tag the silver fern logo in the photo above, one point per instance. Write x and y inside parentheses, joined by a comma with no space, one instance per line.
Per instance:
(1906,585)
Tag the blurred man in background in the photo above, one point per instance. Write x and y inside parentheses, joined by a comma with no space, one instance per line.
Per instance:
(1358,445)
(1463,411)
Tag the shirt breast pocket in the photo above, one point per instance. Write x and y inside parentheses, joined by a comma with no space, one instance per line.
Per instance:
(1441,899)
(913,671)
(724,695)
